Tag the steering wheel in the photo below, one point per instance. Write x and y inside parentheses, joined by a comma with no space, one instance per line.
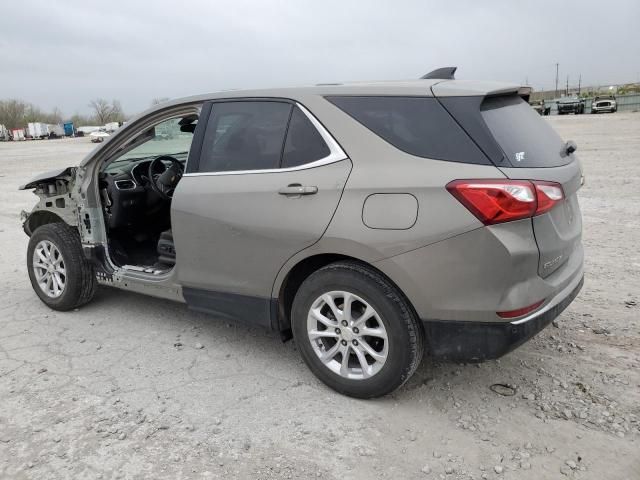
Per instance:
(165,183)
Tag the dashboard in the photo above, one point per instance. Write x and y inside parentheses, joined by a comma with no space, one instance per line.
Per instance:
(126,193)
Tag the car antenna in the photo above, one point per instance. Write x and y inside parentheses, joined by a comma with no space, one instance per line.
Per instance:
(444,73)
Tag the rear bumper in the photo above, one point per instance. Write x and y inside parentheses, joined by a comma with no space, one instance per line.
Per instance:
(478,341)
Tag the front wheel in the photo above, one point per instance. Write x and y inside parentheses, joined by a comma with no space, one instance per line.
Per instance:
(59,272)
(355,330)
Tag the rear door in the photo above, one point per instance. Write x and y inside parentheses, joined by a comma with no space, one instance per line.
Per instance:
(525,147)
(536,152)
(265,186)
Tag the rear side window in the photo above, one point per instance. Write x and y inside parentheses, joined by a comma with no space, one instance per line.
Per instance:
(245,135)
(527,139)
(419,126)
(304,143)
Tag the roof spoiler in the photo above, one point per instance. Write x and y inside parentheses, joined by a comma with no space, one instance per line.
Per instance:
(444,73)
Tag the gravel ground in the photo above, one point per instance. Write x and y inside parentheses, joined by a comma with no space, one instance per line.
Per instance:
(134,387)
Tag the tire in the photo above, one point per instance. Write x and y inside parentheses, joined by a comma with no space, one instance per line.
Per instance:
(79,280)
(404,344)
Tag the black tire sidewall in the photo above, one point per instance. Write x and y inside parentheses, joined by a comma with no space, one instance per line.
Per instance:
(68,244)
(392,309)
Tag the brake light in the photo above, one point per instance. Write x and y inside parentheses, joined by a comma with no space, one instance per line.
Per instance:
(499,201)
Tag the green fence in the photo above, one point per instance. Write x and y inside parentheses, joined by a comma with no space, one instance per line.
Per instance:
(628,103)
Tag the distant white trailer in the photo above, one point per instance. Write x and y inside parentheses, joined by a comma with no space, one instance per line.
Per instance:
(38,130)
(17,134)
(111,126)
(4,133)
(88,129)
(55,130)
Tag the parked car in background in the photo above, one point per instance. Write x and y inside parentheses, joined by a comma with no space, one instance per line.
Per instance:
(605,103)
(573,105)
(98,137)
(541,107)
(364,220)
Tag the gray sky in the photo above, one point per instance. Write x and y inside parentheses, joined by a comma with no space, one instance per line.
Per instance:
(66,53)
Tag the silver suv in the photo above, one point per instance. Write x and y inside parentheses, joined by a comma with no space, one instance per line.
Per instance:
(367,221)
(605,103)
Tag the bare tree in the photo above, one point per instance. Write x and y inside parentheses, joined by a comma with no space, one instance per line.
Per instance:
(55,116)
(105,112)
(101,109)
(12,113)
(80,120)
(17,114)
(33,114)
(117,115)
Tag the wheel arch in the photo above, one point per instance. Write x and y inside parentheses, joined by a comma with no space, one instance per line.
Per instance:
(39,218)
(285,292)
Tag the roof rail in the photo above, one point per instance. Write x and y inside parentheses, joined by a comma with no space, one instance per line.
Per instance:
(444,73)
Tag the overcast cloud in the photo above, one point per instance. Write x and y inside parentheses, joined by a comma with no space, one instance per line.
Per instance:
(66,53)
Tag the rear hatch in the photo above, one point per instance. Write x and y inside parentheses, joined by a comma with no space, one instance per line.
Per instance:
(525,147)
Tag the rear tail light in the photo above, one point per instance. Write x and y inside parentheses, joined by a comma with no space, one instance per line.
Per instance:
(499,201)
(548,193)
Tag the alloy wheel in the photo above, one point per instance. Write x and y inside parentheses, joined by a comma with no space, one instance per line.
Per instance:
(49,269)
(347,335)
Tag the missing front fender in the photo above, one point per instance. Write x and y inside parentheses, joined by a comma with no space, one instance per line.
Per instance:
(37,219)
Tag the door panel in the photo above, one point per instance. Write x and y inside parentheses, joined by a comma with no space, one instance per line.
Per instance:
(233,232)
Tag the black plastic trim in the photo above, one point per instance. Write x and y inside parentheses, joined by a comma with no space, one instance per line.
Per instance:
(193,160)
(478,341)
(245,309)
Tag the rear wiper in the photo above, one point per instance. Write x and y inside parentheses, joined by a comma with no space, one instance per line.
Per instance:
(570,147)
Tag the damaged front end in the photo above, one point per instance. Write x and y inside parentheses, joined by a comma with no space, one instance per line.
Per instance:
(57,199)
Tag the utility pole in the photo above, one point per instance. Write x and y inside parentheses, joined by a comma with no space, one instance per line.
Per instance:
(579,83)
(557,80)
(566,91)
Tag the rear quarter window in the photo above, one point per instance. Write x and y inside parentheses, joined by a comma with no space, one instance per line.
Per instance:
(419,126)
(304,144)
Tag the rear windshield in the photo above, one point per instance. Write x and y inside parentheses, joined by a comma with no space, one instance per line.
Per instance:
(527,139)
(419,126)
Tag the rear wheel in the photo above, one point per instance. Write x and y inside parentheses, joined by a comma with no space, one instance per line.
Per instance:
(356,331)
(59,272)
